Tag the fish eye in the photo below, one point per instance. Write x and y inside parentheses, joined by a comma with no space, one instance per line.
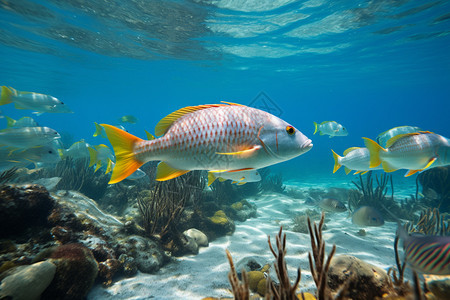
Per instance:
(290,130)
(50,151)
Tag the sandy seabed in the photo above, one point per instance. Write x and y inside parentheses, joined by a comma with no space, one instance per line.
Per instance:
(205,274)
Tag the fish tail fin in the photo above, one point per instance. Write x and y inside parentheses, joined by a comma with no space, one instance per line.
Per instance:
(315,128)
(374,150)
(337,165)
(123,144)
(10,121)
(211,178)
(98,129)
(6,95)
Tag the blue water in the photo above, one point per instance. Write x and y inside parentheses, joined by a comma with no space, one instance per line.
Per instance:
(369,65)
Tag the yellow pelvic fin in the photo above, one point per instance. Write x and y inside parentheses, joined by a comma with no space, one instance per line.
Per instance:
(6,96)
(149,135)
(221,179)
(374,150)
(364,172)
(108,166)
(347,151)
(387,167)
(315,128)
(392,140)
(432,160)
(165,172)
(244,153)
(10,121)
(98,129)
(123,145)
(337,165)
(92,156)
(211,178)
(347,170)
(411,172)
(167,121)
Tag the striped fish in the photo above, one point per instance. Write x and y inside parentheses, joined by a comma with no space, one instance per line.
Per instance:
(414,151)
(427,254)
(218,137)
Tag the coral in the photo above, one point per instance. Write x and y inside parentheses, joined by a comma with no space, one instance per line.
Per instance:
(300,222)
(76,270)
(253,279)
(240,290)
(22,208)
(430,222)
(221,224)
(148,255)
(241,211)
(237,206)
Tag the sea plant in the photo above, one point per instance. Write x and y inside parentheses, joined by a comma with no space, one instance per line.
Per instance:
(430,222)
(7,176)
(369,194)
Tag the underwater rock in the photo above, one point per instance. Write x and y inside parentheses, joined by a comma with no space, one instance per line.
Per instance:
(28,282)
(148,255)
(76,271)
(199,237)
(221,224)
(23,207)
(128,265)
(438,285)
(366,281)
(243,210)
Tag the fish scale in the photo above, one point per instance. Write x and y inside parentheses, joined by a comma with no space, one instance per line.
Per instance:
(219,137)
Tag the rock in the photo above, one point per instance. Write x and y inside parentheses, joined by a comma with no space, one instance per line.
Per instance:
(367,281)
(220,224)
(28,282)
(76,271)
(200,238)
(190,245)
(438,285)
(243,210)
(23,207)
(128,264)
(147,254)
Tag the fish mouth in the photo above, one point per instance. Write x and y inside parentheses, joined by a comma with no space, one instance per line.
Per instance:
(307,145)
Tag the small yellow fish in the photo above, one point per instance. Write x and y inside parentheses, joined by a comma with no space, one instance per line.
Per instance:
(216,137)
(40,103)
(332,128)
(101,156)
(413,151)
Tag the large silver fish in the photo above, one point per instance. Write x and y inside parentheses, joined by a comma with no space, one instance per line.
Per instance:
(414,151)
(27,137)
(383,137)
(216,137)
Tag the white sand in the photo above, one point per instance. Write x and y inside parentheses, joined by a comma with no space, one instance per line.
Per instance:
(205,274)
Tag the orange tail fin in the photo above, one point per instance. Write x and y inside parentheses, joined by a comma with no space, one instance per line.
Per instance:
(123,145)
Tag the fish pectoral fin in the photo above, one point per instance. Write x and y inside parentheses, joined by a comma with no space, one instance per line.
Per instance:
(211,178)
(432,160)
(165,172)
(411,172)
(245,152)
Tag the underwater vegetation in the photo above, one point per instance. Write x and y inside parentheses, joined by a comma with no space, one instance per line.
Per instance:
(430,222)
(369,194)
(74,175)
(7,176)
(436,188)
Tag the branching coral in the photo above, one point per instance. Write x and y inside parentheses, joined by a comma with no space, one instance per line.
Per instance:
(284,290)
(240,290)
(431,222)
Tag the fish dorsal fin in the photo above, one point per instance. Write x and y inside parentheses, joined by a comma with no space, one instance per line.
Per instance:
(211,178)
(350,150)
(167,121)
(165,172)
(392,140)
(149,135)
